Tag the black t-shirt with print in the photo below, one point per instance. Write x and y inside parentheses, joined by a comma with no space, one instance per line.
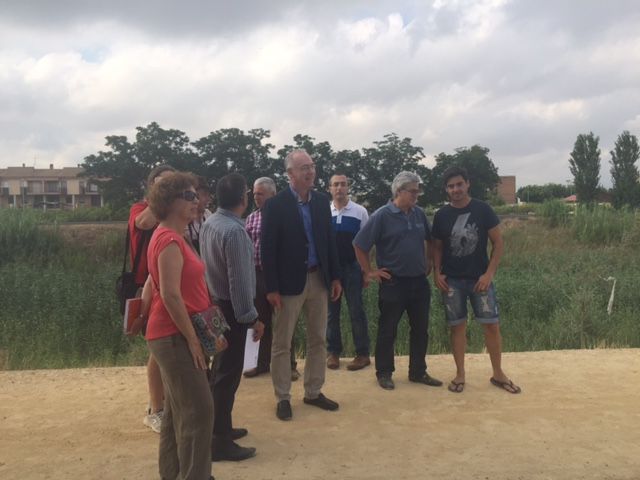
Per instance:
(464,235)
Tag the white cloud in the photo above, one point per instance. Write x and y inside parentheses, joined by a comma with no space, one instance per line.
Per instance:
(521,81)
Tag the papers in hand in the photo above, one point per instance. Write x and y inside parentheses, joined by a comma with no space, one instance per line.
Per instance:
(251,350)
(131,313)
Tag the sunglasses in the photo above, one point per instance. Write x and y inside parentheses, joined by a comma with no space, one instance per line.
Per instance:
(189,195)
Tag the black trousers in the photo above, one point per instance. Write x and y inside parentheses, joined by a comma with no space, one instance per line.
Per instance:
(395,296)
(227,372)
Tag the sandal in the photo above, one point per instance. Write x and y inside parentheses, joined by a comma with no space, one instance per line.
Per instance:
(508,386)
(456,387)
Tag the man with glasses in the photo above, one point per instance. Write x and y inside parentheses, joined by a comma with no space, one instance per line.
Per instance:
(300,264)
(348,218)
(227,252)
(400,232)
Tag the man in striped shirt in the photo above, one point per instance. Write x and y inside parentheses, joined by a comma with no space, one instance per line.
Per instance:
(263,189)
(227,252)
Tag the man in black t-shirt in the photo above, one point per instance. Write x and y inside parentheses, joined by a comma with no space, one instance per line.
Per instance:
(463,270)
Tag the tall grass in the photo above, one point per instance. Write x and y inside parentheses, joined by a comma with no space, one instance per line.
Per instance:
(59,309)
(600,225)
(554,213)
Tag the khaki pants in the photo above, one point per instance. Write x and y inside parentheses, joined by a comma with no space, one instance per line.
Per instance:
(313,301)
(185,437)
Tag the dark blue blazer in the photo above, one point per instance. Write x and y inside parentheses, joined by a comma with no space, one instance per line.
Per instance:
(283,243)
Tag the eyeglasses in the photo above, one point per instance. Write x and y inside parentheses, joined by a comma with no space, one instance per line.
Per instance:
(413,191)
(189,195)
(308,167)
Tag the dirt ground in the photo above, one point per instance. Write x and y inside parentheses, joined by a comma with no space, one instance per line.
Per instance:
(577,418)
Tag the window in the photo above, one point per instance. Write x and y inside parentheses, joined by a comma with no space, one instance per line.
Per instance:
(34,188)
(95,201)
(52,187)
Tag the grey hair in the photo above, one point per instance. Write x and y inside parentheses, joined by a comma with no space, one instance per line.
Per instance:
(402,180)
(291,154)
(266,181)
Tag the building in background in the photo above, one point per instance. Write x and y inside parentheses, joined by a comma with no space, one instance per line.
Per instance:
(506,189)
(64,188)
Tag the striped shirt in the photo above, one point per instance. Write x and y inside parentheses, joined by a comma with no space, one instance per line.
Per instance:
(227,252)
(253,225)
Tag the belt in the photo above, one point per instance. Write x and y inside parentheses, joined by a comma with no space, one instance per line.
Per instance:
(313,269)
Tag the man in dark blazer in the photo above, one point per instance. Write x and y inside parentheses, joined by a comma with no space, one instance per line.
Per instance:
(300,264)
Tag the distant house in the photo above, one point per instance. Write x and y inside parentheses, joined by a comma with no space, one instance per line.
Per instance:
(29,187)
(571,199)
(601,197)
(506,189)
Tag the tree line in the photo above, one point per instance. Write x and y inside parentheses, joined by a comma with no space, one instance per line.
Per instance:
(121,169)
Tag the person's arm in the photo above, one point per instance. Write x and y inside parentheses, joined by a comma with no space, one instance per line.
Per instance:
(368,273)
(497,247)
(439,279)
(170,263)
(238,251)
(145,220)
(334,263)
(268,251)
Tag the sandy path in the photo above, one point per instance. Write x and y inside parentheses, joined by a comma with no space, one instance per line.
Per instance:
(578,418)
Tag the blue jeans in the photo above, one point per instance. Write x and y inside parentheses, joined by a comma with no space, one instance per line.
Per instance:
(351,279)
(484,304)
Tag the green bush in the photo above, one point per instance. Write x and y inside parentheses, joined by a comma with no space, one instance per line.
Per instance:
(554,213)
(600,225)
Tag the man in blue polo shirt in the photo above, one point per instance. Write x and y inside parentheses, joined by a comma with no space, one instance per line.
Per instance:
(399,231)
(348,218)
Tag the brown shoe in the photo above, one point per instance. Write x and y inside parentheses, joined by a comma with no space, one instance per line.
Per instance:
(359,362)
(333,361)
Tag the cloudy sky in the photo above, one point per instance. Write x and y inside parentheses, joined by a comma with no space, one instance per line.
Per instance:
(522,78)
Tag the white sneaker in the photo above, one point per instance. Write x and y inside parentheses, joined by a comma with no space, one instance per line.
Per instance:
(153,421)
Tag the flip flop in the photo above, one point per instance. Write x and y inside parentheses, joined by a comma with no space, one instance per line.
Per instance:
(507,386)
(456,387)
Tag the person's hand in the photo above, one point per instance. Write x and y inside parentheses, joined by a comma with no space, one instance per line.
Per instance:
(336,290)
(258,330)
(221,343)
(275,300)
(482,285)
(378,275)
(429,266)
(441,282)
(199,360)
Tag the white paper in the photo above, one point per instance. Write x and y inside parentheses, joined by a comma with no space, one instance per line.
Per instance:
(251,350)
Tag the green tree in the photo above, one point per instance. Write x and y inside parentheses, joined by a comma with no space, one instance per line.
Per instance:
(483,174)
(232,150)
(624,171)
(121,170)
(381,163)
(584,165)
(540,193)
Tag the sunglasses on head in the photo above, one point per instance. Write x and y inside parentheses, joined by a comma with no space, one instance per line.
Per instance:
(189,195)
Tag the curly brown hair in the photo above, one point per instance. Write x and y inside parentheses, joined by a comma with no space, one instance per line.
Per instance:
(164,193)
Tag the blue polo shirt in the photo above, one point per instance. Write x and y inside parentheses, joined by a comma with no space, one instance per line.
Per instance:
(399,239)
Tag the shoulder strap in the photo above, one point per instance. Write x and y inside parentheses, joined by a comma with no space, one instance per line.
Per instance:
(126,251)
(144,238)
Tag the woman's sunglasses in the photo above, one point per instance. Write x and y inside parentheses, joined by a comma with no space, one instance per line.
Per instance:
(189,195)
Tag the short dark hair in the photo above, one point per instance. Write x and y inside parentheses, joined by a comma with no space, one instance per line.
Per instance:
(164,193)
(153,174)
(230,191)
(203,184)
(454,171)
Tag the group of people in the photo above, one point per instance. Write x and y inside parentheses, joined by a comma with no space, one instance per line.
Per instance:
(298,252)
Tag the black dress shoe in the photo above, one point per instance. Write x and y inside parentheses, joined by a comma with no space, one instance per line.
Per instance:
(386,382)
(283,410)
(322,402)
(427,380)
(232,452)
(237,433)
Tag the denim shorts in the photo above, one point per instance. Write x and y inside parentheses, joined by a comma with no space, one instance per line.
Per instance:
(484,304)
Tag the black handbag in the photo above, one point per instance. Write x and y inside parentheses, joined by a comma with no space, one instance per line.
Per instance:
(126,286)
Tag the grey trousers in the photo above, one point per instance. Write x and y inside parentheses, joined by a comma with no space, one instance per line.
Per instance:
(185,437)
(313,302)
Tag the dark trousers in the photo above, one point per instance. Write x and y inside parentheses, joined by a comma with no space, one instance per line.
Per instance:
(395,296)
(227,372)
(351,279)
(265,315)
(185,437)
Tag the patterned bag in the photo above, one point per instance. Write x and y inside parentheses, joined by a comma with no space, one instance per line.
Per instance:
(209,325)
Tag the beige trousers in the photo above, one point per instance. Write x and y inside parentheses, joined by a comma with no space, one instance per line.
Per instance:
(313,301)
